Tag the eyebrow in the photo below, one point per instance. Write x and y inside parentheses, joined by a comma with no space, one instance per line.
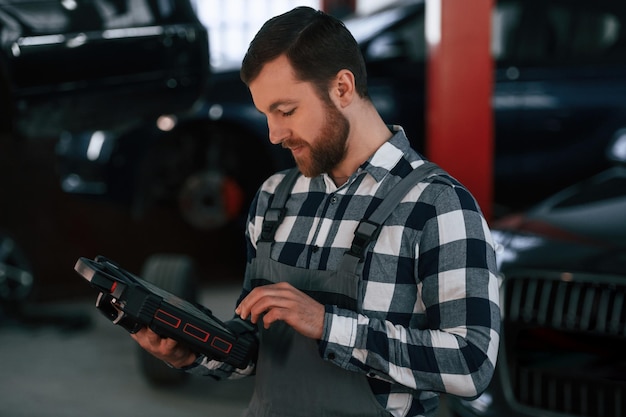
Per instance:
(275,105)
(279,103)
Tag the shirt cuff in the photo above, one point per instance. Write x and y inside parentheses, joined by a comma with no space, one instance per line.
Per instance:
(194,364)
(339,337)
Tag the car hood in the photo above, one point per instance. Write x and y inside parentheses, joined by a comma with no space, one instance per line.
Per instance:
(580,228)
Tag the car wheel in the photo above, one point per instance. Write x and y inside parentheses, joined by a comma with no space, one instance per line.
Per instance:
(16,277)
(209,172)
(175,274)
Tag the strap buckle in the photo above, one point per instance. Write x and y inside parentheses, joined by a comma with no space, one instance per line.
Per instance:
(273,218)
(366,232)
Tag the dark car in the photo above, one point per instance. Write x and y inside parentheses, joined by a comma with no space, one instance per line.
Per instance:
(559,96)
(72,65)
(68,65)
(563,293)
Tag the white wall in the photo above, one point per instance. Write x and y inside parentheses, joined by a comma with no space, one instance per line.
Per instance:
(233,23)
(366,6)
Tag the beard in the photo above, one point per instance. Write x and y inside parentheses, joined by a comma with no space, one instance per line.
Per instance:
(329,147)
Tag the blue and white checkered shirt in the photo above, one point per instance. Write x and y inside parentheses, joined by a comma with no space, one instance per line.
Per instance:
(428,314)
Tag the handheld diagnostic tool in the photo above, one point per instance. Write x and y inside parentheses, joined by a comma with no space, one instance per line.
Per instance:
(133,303)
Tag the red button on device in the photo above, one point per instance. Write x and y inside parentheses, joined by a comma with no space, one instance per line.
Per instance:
(196,332)
(221,344)
(167,318)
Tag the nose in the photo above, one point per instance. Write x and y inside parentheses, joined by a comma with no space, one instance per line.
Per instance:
(278,132)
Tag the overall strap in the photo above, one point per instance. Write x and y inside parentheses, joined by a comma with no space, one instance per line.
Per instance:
(369,228)
(276,212)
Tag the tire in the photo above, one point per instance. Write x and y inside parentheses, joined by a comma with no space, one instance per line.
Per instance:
(16,276)
(175,274)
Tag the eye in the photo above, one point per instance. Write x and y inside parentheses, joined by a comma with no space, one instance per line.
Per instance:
(288,113)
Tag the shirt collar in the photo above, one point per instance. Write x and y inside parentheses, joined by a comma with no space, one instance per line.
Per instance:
(383,160)
(388,155)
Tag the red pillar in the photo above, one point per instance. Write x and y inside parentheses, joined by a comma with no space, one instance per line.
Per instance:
(459,117)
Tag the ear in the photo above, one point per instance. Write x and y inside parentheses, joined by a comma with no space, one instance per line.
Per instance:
(343,88)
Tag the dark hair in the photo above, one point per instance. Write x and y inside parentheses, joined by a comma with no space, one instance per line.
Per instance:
(317,45)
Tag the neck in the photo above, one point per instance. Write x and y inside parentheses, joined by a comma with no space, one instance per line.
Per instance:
(368,132)
(339,181)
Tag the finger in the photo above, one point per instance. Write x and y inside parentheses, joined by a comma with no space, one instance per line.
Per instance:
(277,306)
(168,344)
(275,314)
(244,309)
(267,298)
(138,335)
(141,336)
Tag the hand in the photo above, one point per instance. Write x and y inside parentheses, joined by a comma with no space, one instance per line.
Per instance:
(166,349)
(284,302)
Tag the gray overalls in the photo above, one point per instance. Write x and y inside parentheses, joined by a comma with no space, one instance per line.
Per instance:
(292,380)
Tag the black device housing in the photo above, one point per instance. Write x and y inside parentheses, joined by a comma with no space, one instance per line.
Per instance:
(131,302)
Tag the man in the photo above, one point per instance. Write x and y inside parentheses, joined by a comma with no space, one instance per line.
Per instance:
(417,315)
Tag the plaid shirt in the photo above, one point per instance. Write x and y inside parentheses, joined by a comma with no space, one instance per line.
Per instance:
(428,317)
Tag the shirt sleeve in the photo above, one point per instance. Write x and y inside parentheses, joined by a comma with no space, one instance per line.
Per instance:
(204,366)
(454,349)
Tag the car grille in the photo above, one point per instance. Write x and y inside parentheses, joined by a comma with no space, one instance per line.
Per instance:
(565,342)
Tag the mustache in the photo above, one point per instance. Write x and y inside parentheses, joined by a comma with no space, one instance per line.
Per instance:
(293,143)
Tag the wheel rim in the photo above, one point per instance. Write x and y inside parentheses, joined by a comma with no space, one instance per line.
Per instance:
(210,200)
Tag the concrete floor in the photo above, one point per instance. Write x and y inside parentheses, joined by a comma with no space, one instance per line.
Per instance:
(78,364)
(62,369)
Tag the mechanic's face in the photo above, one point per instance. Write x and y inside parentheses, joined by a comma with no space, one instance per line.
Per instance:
(314,130)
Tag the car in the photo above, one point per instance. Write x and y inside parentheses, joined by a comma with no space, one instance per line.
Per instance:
(100,64)
(71,65)
(563,290)
(559,95)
